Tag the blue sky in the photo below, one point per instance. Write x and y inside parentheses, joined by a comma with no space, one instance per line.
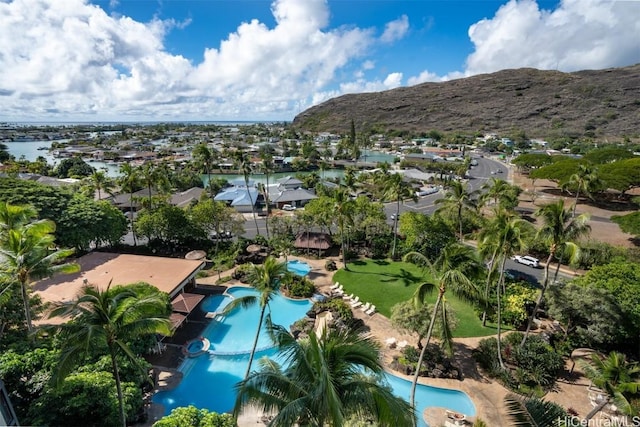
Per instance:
(164,60)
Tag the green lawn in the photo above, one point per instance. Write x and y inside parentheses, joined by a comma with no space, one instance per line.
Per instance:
(386,283)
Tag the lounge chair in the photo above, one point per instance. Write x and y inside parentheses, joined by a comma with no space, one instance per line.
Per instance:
(338,292)
(402,344)
(335,286)
(371,310)
(391,342)
(366,306)
(355,301)
(356,304)
(348,297)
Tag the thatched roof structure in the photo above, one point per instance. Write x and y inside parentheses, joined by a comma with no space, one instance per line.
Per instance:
(313,240)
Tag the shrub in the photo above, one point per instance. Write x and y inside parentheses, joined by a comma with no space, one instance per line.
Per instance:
(301,287)
(241,272)
(330,265)
(194,417)
(338,307)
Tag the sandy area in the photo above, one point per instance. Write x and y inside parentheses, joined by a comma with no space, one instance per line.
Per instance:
(602,229)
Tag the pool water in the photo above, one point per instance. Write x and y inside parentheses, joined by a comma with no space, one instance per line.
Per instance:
(209,381)
(215,303)
(299,268)
(195,346)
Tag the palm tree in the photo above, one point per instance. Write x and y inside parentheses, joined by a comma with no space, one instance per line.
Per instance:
(107,320)
(397,189)
(503,237)
(99,181)
(585,180)
(265,278)
(560,230)
(129,182)
(243,163)
(25,250)
(343,211)
(324,381)
(151,176)
(458,199)
(615,376)
(204,156)
(455,264)
(14,216)
(501,193)
(267,168)
(534,412)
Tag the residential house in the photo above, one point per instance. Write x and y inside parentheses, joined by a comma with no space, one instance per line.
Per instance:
(240,196)
(289,191)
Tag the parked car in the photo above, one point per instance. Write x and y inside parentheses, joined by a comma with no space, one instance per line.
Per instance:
(527,260)
(288,208)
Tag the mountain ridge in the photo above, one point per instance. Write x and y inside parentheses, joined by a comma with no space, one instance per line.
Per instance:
(591,103)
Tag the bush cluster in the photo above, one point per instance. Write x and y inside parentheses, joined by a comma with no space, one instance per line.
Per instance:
(533,367)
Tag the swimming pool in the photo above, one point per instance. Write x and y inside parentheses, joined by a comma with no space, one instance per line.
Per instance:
(300,268)
(209,380)
(214,303)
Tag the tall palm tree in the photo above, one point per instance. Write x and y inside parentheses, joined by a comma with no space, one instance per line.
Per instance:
(267,168)
(99,181)
(343,209)
(397,189)
(560,230)
(243,163)
(501,193)
(205,157)
(108,320)
(615,376)
(15,216)
(584,180)
(451,270)
(129,181)
(27,256)
(503,237)
(265,278)
(459,199)
(324,381)
(151,177)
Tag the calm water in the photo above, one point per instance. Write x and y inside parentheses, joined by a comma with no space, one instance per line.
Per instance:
(300,268)
(209,380)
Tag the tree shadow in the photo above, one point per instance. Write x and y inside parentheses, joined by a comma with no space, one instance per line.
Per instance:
(405,276)
(381,262)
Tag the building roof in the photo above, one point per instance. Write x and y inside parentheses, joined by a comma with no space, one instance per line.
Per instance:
(238,196)
(313,240)
(299,194)
(289,181)
(101,268)
(187,197)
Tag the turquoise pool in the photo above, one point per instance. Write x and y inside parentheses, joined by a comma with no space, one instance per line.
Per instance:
(300,268)
(209,380)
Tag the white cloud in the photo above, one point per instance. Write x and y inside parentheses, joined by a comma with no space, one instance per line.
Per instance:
(73,61)
(395,30)
(368,65)
(577,35)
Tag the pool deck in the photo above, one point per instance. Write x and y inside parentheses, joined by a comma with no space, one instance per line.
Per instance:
(486,394)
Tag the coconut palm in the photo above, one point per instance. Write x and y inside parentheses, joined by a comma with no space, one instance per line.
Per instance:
(99,181)
(584,180)
(243,163)
(151,177)
(107,320)
(27,255)
(451,270)
(265,278)
(460,200)
(501,193)
(267,168)
(323,381)
(503,237)
(560,230)
(343,208)
(205,157)
(397,189)
(534,412)
(130,181)
(615,376)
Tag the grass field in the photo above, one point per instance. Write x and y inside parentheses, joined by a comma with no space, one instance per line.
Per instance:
(386,283)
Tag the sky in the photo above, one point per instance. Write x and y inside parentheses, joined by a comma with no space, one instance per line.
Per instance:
(261,60)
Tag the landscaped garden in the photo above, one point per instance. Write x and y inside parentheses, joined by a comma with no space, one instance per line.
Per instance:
(386,283)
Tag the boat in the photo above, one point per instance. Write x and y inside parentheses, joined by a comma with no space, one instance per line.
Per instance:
(43,148)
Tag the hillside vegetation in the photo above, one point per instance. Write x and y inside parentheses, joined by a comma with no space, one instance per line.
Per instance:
(541,103)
